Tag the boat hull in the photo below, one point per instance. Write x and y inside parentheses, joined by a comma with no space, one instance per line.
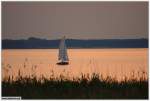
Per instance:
(62,63)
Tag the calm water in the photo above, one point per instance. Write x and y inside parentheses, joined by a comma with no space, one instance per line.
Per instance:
(116,63)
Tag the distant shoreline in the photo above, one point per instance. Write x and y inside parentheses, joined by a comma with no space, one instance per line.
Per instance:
(35,43)
(76,48)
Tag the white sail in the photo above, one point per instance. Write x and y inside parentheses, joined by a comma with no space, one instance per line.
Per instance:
(63,56)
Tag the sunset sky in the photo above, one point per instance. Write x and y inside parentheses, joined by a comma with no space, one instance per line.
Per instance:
(77,20)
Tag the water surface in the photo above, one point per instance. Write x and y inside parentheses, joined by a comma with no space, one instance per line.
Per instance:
(118,63)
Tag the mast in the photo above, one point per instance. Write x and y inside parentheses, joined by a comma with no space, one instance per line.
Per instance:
(63,56)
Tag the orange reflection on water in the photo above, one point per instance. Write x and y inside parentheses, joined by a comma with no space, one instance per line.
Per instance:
(116,63)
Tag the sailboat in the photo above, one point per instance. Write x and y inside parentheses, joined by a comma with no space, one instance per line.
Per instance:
(63,56)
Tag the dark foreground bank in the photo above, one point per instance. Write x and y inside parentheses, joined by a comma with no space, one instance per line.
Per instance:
(81,88)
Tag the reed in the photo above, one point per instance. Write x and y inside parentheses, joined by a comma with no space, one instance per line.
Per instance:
(86,87)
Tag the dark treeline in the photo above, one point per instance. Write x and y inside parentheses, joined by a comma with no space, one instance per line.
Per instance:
(36,43)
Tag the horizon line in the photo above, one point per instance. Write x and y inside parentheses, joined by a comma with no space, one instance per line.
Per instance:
(30,38)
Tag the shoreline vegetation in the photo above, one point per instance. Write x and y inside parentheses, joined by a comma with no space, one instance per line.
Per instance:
(37,43)
(86,87)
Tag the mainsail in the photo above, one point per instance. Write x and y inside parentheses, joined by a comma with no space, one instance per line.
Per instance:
(63,56)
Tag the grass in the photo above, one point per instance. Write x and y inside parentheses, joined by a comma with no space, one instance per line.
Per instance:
(94,87)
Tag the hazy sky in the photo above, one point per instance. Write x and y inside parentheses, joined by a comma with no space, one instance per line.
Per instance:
(84,20)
